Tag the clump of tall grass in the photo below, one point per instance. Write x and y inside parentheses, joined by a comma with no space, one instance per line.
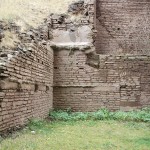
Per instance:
(102,114)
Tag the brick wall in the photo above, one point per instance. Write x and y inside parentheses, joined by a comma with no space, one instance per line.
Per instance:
(85,80)
(18,107)
(26,85)
(120,82)
(123,26)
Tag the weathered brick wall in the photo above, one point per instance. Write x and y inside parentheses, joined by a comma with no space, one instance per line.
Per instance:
(123,26)
(26,85)
(120,82)
(86,81)
(18,107)
(83,80)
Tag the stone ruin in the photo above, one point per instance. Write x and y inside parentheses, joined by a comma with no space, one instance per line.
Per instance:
(93,57)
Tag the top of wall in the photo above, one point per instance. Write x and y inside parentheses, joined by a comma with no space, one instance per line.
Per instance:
(27,13)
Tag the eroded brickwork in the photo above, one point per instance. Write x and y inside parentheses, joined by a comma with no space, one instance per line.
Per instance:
(120,82)
(86,81)
(26,85)
(123,27)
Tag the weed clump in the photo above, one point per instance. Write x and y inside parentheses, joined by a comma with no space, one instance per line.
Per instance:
(102,114)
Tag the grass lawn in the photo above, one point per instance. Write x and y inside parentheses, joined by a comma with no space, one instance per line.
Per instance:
(80,135)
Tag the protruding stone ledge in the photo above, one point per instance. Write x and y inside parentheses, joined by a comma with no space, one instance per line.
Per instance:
(10,85)
(97,87)
(7,85)
(82,46)
(125,57)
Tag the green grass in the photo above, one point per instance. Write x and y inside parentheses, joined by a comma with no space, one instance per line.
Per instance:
(101,130)
(81,135)
(102,114)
